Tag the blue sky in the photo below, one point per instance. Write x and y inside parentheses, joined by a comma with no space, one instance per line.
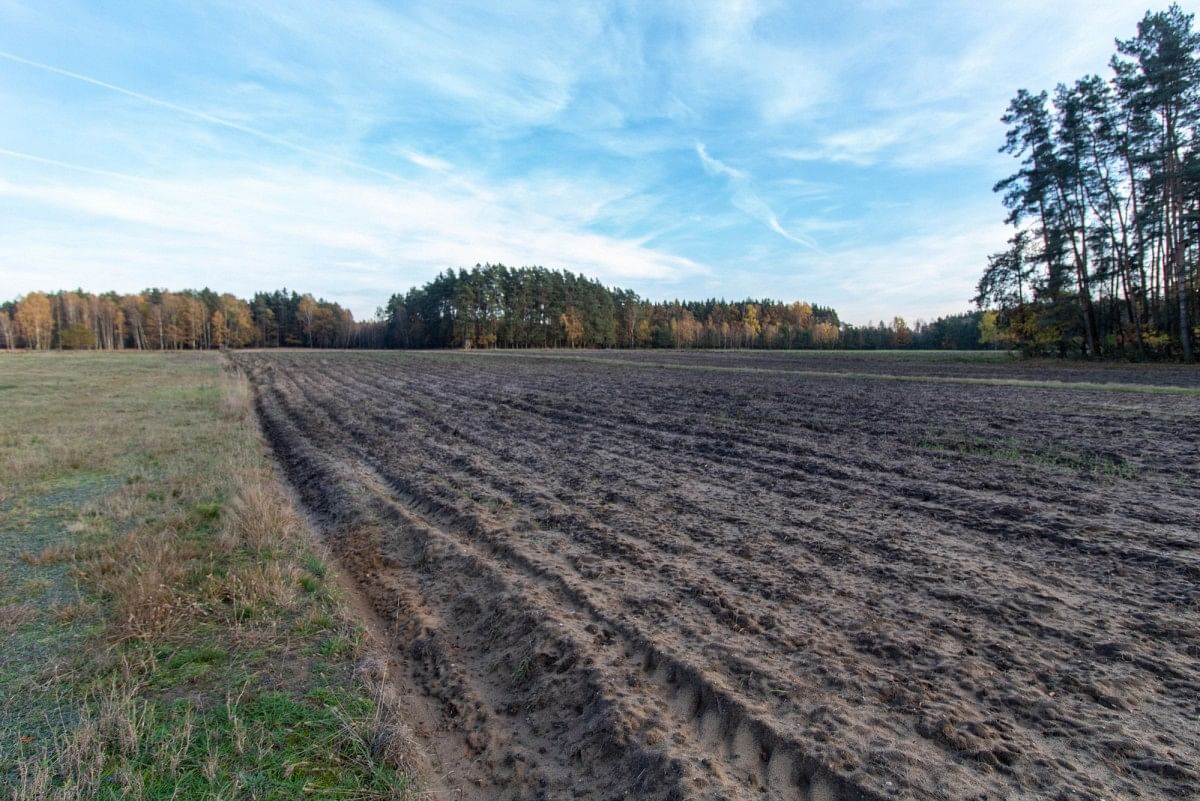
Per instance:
(838,153)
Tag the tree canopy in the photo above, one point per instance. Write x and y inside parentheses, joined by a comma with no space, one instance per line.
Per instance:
(1105,206)
(497,306)
(157,319)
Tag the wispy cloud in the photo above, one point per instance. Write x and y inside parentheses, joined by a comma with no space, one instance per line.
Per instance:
(746,199)
(202,116)
(428,162)
(870,281)
(245,232)
(915,140)
(847,152)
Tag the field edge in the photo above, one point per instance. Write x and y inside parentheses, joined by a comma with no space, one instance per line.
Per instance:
(185,635)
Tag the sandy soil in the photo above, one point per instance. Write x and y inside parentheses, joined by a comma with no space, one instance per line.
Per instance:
(616,581)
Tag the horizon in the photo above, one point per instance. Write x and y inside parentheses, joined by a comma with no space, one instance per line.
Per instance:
(752,150)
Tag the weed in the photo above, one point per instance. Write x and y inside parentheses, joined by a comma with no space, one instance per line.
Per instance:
(35,587)
(315,566)
(1010,451)
(207,512)
(338,646)
(524,670)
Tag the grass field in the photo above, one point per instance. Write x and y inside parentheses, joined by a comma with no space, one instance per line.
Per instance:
(169,631)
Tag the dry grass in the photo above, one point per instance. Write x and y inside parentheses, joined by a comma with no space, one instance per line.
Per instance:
(116,732)
(36,458)
(196,553)
(13,616)
(249,587)
(261,518)
(237,398)
(385,734)
(57,552)
(154,578)
(104,753)
(71,612)
(110,726)
(141,576)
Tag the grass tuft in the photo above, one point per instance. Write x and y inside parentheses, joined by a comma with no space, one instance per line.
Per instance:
(56,552)
(142,579)
(14,616)
(261,518)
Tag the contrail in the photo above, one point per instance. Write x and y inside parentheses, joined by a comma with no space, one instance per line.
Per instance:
(175,189)
(746,200)
(200,115)
(66,165)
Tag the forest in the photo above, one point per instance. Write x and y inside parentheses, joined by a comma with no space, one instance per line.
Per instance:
(157,319)
(485,307)
(1105,206)
(497,306)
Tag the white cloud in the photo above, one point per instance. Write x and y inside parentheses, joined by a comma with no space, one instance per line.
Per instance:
(935,99)
(715,167)
(244,233)
(746,199)
(917,140)
(499,66)
(929,273)
(289,140)
(428,162)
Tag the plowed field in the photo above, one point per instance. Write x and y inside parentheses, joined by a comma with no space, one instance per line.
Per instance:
(744,576)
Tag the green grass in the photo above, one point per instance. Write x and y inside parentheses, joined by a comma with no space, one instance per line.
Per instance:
(1012,452)
(169,630)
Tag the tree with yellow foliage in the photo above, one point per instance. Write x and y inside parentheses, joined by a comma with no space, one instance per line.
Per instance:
(34,320)
(825,335)
(751,325)
(237,323)
(572,325)
(306,312)
(8,330)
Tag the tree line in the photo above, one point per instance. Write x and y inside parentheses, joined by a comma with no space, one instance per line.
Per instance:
(532,307)
(1105,206)
(487,306)
(157,319)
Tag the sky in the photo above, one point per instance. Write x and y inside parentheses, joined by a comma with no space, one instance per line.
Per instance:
(839,153)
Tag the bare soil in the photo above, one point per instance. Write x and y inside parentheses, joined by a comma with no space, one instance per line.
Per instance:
(970,365)
(612,580)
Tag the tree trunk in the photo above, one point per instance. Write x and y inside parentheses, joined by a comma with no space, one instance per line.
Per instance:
(1185,325)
